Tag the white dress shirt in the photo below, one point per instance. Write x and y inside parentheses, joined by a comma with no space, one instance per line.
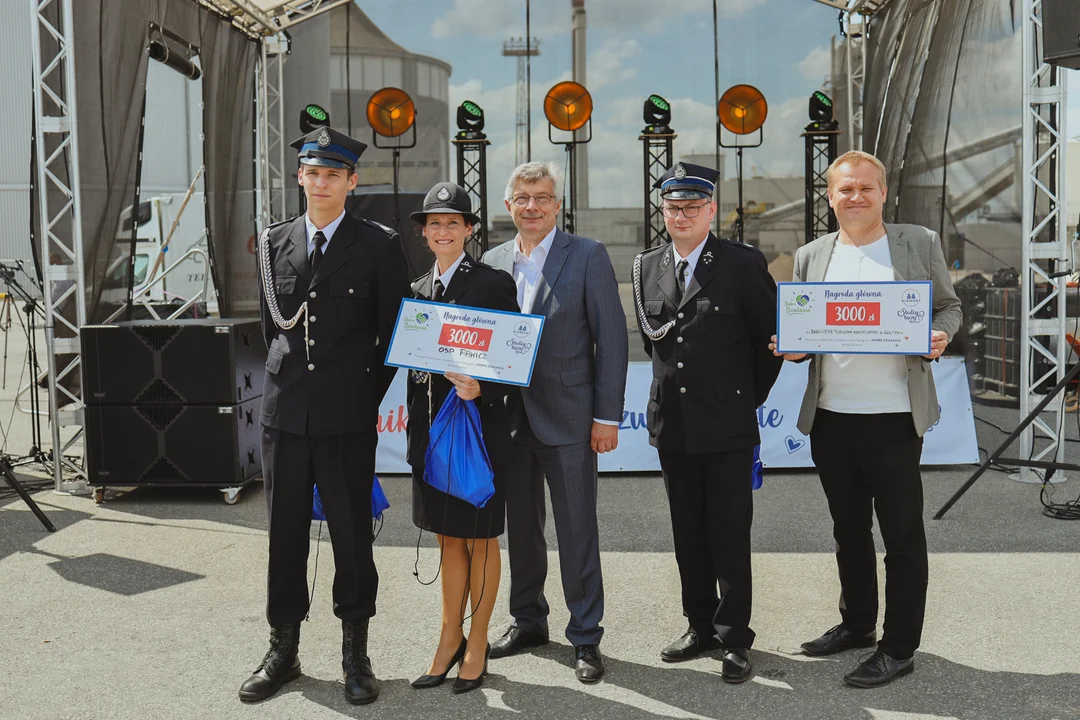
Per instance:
(527,269)
(328,232)
(863,384)
(690,259)
(446,276)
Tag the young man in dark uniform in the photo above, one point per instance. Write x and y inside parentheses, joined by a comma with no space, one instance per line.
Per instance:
(331,288)
(707,309)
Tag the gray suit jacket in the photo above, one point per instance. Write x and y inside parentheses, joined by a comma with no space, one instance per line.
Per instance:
(580,370)
(916,255)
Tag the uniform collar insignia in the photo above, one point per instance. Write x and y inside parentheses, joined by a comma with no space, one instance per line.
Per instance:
(666,261)
(707,257)
(324,138)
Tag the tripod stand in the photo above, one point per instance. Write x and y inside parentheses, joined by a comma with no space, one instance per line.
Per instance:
(1050,467)
(36,454)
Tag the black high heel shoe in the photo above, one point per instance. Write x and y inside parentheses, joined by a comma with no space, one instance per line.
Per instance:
(430,681)
(461,685)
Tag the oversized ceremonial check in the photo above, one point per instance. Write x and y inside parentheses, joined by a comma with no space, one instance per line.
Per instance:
(484,344)
(854,317)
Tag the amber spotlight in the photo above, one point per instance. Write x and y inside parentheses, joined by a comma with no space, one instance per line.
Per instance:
(742,109)
(391,112)
(568,106)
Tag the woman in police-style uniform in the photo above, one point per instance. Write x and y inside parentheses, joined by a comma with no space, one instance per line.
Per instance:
(468,536)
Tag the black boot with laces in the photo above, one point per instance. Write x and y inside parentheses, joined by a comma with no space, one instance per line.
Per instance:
(280,665)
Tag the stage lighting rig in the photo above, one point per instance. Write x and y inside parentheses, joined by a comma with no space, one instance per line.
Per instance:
(313,116)
(391,113)
(568,107)
(657,115)
(470,121)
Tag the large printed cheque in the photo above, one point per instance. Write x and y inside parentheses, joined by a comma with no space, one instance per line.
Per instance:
(855,317)
(484,344)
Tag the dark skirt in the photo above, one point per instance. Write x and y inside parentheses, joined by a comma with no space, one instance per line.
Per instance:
(437,512)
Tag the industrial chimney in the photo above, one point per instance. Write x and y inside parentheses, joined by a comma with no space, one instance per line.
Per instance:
(578,16)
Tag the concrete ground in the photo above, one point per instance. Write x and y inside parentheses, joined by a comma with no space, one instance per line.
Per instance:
(151,605)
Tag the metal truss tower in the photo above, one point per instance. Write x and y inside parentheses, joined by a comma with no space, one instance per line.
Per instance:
(270,170)
(1046,258)
(517,47)
(659,156)
(59,228)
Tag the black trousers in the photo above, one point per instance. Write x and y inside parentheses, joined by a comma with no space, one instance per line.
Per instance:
(712,508)
(870,463)
(343,467)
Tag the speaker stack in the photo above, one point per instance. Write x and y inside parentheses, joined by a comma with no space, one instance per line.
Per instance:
(1061,33)
(173,403)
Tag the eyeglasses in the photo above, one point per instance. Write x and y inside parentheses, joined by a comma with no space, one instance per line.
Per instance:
(541,200)
(689,211)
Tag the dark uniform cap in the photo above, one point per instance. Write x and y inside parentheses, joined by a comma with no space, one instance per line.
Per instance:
(686,181)
(327,147)
(446,198)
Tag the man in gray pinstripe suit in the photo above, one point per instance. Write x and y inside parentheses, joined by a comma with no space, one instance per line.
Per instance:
(569,413)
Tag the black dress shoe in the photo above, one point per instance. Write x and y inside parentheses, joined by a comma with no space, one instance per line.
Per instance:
(361,687)
(462,685)
(737,666)
(430,681)
(514,640)
(689,646)
(280,665)
(838,639)
(589,667)
(879,669)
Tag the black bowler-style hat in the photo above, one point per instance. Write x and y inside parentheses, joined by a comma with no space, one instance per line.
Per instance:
(327,147)
(446,198)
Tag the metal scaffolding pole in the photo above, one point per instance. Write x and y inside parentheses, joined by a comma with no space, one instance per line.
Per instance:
(1046,260)
(59,228)
(270,124)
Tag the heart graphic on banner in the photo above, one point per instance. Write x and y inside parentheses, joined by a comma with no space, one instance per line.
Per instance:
(793,445)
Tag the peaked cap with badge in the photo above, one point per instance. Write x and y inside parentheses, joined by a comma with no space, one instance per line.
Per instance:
(328,147)
(686,181)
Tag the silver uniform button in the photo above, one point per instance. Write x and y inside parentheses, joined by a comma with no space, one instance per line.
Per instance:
(312,318)
(678,339)
(716,308)
(350,291)
(682,390)
(738,392)
(311,294)
(310,342)
(679,365)
(311,366)
(680,316)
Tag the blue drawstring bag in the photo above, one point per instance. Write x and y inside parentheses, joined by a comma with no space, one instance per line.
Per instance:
(456,461)
(757,471)
(379,503)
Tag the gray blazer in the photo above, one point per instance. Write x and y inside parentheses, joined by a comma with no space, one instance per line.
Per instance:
(916,255)
(580,370)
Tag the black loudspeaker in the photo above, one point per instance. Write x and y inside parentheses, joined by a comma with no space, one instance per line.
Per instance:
(380,208)
(131,445)
(1061,33)
(180,362)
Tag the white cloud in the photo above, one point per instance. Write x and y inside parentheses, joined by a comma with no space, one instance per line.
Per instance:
(498,18)
(817,65)
(608,64)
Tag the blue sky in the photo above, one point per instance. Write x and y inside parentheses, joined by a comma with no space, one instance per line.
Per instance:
(780,46)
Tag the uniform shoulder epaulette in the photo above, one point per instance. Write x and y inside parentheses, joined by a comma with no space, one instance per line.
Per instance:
(378,226)
(653,249)
(274,226)
(738,244)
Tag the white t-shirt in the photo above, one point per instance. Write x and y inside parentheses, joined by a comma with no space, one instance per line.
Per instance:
(863,384)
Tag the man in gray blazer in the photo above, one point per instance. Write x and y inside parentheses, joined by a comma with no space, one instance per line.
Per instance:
(866,416)
(570,412)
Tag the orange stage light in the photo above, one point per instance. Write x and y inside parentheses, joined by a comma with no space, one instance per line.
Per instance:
(391,112)
(568,106)
(742,109)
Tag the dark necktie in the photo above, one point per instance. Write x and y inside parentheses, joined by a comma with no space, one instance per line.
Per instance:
(316,256)
(680,277)
(437,293)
